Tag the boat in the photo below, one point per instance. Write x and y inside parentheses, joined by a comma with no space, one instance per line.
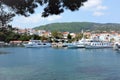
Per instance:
(78,44)
(57,45)
(98,44)
(72,45)
(36,43)
(82,43)
(116,46)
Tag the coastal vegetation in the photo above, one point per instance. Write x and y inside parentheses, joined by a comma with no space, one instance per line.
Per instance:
(8,34)
(78,26)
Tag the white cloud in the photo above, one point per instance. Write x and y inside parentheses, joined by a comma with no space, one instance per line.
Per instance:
(101,7)
(32,19)
(36,18)
(54,17)
(96,6)
(98,14)
(90,4)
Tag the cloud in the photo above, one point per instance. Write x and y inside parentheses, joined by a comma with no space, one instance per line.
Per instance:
(36,18)
(54,17)
(101,7)
(98,14)
(91,4)
(96,6)
(32,19)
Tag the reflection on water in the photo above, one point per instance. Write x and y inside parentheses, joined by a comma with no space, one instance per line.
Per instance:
(59,64)
(117,51)
(3,52)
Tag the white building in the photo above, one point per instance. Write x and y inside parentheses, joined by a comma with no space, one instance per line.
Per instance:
(101,36)
(41,32)
(73,35)
(65,34)
(106,37)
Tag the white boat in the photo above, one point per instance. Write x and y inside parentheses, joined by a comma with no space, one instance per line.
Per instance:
(79,44)
(72,45)
(76,45)
(98,44)
(36,43)
(116,46)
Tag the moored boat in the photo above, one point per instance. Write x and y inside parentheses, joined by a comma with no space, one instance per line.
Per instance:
(36,43)
(98,44)
(72,45)
(116,46)
(79,44)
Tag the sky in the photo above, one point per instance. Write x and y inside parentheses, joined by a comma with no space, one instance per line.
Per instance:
(99,11)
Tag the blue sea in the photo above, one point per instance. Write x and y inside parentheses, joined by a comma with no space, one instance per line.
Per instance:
(19,63)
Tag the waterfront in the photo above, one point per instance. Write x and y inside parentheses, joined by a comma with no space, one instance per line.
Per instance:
(19,63)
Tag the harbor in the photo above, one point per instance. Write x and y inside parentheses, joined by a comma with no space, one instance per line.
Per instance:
(59,40)
(87,44)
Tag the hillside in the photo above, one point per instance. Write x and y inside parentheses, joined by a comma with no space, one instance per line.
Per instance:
(78,26)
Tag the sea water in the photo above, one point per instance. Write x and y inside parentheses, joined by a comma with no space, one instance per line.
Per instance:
(19,63)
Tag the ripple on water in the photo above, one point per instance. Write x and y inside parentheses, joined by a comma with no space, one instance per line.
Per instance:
(3,52)
(59,64)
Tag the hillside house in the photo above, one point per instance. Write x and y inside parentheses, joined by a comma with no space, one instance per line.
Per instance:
(65,34)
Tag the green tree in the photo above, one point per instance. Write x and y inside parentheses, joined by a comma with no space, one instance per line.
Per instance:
(43,38)
(78,37)
(7,35)
(57,35)
(2,36)
(52,7)
(112,40)
(24,37)
(69,36)
(87,36)
(5,16)
(36,37)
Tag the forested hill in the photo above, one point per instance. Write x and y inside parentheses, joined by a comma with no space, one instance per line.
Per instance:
(78,26)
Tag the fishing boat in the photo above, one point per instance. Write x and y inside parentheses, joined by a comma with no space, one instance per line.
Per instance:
(36,43)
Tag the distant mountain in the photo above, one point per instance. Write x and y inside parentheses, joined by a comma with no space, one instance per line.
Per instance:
(78,26)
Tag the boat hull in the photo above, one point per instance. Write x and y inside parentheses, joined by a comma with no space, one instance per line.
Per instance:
(116,47)
(35,46)
(98,45)
(75,46)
